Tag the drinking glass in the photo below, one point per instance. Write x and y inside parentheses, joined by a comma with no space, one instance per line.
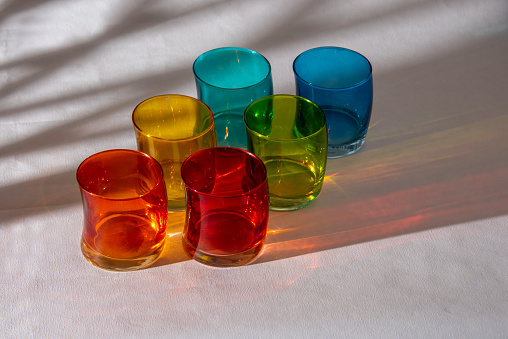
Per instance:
(227,206)
(228,79)
(288,133)
(339,81)
(170,128)
(125,209)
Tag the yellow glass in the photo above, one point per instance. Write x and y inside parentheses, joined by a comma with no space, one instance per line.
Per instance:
(288,133)
(170,128)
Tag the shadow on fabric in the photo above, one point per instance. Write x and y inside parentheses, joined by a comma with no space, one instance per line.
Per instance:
(435,156)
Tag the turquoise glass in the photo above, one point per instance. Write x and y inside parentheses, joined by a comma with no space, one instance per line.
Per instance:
(339,80)
(228,79)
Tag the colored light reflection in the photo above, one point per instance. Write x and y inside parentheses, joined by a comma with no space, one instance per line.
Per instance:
(421,183)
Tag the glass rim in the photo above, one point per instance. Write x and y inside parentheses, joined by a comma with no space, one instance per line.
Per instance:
(267,75)
(298,98)
(195,136)
(359,83)
(160,173)
(238,150)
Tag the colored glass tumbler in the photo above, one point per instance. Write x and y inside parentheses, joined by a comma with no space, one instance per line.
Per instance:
(125,209)
(228,79)
(227,206)
(170,128)
(339,80)
(288,133)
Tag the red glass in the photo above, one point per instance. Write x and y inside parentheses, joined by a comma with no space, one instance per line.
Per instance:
(125,209)
(227,206)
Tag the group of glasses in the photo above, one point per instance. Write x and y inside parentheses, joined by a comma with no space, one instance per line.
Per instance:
(226,158)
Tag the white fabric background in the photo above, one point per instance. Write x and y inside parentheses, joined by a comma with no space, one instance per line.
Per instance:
(408,238)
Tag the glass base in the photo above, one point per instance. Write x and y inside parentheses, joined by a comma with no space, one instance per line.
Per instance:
(119,265)
(292,184)
(176,205)
(230,260)
(230,129)
(284,205)
(339,151)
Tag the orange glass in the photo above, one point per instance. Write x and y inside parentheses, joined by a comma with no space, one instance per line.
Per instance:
(170,128)
(125,209)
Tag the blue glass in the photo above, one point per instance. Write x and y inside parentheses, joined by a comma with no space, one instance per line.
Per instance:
(339,81)
(228,80)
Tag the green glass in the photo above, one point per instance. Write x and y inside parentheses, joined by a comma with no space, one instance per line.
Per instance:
(288,133)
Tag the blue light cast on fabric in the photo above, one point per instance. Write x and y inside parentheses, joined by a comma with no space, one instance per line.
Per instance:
(228,79)
(338,80)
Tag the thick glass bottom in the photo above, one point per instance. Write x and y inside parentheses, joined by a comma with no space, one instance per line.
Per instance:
(113,264)
(175,189)
(346,132)
(222,260)
(122,242)
(339,151)
(176,205)
(230,129)
(292,184)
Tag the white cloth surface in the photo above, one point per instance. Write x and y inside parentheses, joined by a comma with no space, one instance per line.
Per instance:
(407,239)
